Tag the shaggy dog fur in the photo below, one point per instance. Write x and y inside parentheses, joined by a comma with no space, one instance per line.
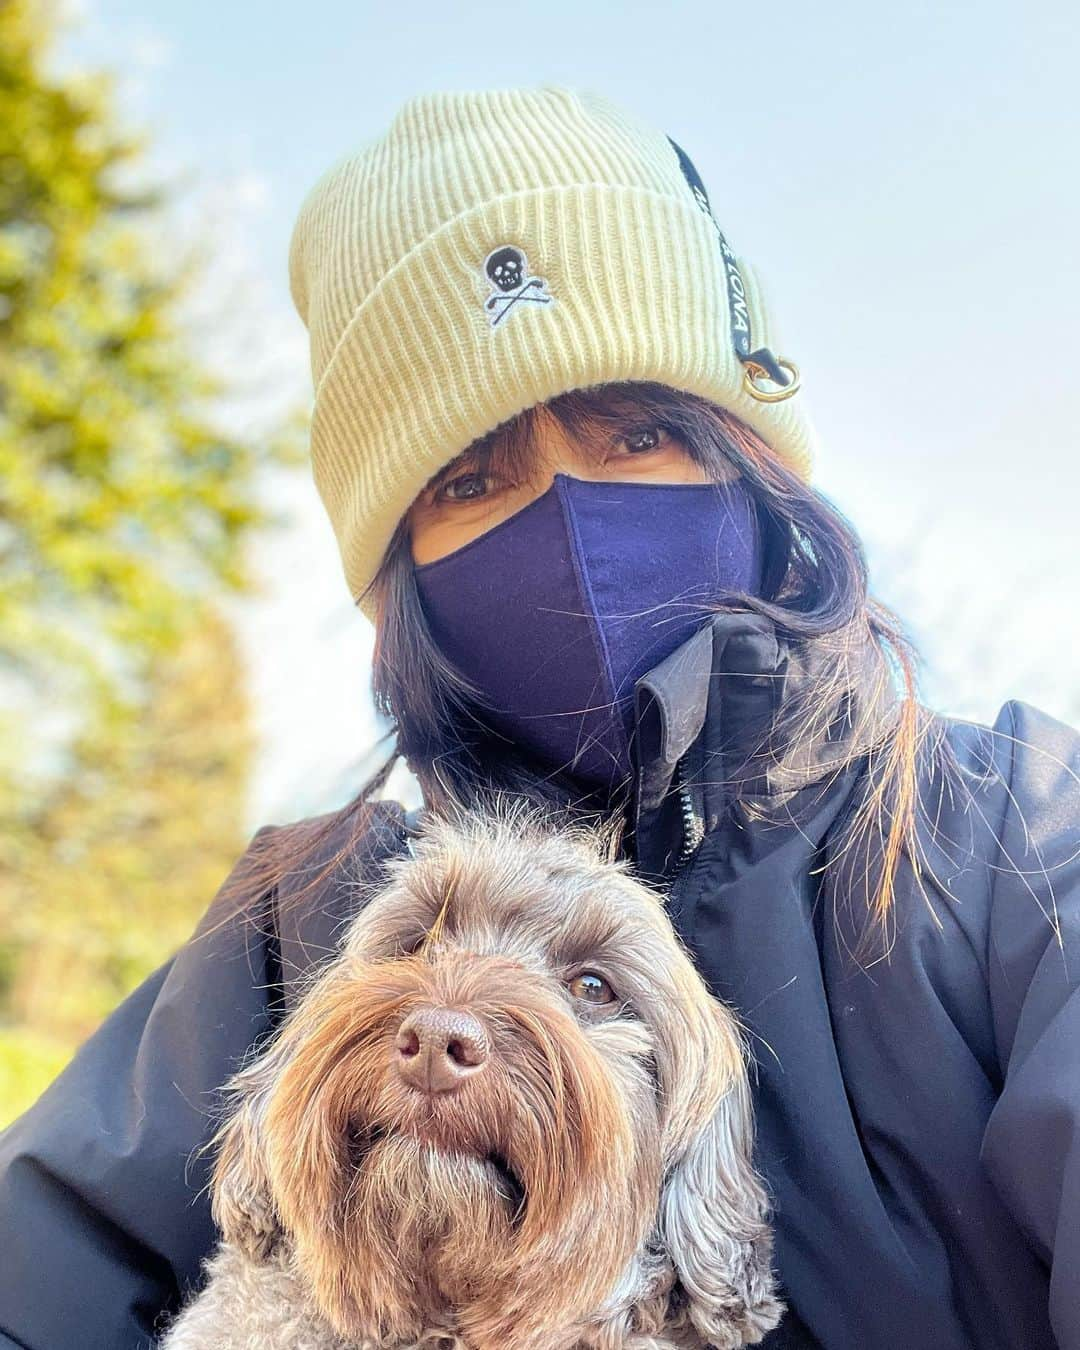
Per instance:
(508,1116)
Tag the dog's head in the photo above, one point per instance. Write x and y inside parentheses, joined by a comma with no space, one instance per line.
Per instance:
(510,1107)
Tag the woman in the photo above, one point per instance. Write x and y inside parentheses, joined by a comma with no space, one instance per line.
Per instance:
(568,469)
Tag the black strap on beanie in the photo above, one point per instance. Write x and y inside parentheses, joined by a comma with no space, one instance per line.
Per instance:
(741,339)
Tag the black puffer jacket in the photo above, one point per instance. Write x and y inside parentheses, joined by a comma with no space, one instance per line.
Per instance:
(918,1115)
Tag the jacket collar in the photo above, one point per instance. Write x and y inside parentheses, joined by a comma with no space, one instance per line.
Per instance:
(713,701)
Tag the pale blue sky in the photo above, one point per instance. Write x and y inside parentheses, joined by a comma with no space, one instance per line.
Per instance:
(904,176)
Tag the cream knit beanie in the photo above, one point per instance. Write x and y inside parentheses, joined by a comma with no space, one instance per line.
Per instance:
(494,249)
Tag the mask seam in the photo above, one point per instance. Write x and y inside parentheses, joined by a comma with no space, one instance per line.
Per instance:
(577,555)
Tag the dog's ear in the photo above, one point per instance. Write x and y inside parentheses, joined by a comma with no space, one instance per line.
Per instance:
(714,1220)
(241,1199)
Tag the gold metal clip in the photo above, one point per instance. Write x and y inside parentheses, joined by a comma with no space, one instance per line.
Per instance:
(753,372)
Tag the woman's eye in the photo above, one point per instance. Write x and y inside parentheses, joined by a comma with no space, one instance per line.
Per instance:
(591,988)
(466,487)
(644,439)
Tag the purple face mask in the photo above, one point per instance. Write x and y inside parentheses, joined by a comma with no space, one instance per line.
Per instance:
(556,612)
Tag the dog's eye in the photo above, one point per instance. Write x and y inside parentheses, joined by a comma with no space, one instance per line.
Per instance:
(591,988)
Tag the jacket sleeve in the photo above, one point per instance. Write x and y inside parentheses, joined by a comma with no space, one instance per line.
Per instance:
(1031,1147)
(103,1214)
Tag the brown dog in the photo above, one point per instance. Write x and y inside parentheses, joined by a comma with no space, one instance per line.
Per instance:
(508,1116)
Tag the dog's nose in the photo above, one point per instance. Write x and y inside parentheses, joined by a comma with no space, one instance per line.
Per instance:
(438,1048)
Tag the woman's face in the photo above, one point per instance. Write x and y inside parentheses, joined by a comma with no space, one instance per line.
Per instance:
(467,499)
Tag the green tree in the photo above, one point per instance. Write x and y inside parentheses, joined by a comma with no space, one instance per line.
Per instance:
(113,872)
(121,498)
(125,507)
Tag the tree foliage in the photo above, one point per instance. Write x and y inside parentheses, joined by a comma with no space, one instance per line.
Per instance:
(125,507)
(121,497)
(113,874)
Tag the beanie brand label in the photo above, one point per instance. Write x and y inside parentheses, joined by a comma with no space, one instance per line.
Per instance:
(507,270)
(738,310)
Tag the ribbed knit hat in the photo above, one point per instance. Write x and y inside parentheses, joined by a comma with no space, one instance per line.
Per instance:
(492,250)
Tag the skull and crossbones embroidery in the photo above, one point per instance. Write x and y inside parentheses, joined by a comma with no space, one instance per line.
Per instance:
(507,269)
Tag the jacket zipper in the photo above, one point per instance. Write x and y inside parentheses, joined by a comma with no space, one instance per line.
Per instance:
(692,830)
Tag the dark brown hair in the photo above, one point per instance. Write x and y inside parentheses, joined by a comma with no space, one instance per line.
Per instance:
(814,590)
